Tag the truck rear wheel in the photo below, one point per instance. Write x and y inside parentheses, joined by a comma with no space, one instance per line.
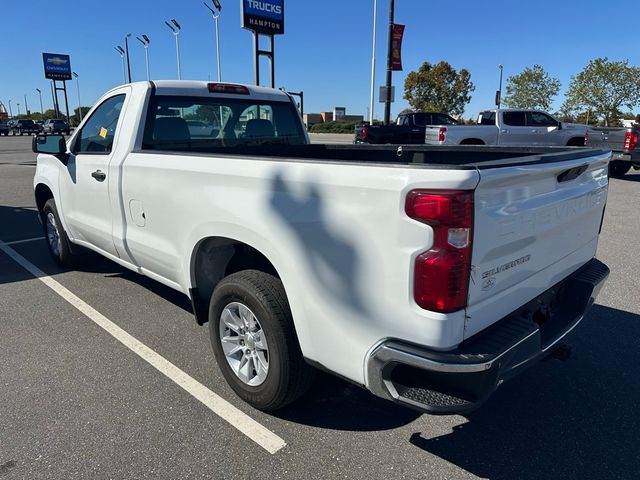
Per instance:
(254,340)
(57,240)
(618,168)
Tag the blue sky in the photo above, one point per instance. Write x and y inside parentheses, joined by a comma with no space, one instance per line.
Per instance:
(326,50)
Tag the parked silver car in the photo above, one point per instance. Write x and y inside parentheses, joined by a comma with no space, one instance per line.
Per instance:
(57,126)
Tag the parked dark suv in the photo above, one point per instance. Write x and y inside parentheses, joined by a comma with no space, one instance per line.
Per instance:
(4,129)
(24,126)
(57,126)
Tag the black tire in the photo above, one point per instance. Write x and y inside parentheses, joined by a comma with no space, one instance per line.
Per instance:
(288,376)
(618,168)
(64,256)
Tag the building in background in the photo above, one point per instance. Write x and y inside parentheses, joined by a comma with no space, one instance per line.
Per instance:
(339,114)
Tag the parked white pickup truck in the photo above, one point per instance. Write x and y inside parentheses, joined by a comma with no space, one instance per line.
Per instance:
(426,275)
(509,127)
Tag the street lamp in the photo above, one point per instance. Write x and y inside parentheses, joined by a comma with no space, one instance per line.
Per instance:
(40,94)
(126,47)
(216,13)
(26,106)
(499,92)
(373,61)
(10,112)
(144,40)
(175,28)
(120,50)
(18,108)
(78,88)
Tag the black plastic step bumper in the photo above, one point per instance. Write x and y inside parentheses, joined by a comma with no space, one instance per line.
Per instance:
(459,381)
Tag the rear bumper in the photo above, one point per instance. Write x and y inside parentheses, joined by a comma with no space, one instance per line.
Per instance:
(461,380)
(633,157)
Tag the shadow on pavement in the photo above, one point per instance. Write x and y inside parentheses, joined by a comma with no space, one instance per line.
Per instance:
(629,177)
(17,223)
(335,404)
(576,420)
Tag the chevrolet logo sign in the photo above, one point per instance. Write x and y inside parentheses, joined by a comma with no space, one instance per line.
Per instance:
(57,61)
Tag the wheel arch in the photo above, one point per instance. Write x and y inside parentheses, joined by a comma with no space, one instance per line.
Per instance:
(472,141)
(575,142)
(42,193)
(215,257)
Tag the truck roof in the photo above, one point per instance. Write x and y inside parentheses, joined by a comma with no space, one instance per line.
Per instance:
(199,88)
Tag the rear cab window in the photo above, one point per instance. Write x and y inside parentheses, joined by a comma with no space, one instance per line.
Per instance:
(487,118)
(201,124)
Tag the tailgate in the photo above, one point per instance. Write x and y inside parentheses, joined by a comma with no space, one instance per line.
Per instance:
(532,224)
(607,138)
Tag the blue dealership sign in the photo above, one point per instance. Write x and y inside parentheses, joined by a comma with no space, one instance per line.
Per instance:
(263,16)
(57,66)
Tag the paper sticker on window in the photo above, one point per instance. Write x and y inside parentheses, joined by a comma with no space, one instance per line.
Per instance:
(103,132)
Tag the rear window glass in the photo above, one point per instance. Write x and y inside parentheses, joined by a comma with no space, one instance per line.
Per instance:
(201,123)
(488,118)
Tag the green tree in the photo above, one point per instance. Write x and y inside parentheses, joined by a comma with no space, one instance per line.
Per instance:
(603,87)
(532,88)
(75,118)
(438,88)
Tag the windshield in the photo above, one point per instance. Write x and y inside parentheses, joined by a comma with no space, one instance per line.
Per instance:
(208,124)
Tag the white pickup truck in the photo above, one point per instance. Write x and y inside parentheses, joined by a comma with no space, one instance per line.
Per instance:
(509,127)
(427,275)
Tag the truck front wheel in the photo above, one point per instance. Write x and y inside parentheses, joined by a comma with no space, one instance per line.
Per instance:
(254,340)
(57,240)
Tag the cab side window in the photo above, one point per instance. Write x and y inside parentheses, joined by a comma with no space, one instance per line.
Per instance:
(98,132)
(514,119)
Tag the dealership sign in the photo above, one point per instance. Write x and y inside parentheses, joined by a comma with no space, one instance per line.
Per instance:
(56,66)
(263,16)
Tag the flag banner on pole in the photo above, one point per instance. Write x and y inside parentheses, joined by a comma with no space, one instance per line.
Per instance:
(396,49)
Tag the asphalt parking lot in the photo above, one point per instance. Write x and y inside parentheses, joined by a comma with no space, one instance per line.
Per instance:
(75,402)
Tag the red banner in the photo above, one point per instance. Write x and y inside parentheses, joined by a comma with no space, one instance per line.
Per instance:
(396,47)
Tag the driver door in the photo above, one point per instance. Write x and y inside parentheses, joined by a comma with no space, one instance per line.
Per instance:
(85,186)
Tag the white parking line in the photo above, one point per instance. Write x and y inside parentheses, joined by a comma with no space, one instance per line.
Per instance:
(236,418)
(16,242)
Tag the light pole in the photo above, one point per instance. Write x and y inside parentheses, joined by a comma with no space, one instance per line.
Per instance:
(373,61)
(26,106)
(18,108)
(40,94)
(175,28)
(144,40)
(77,77)
(126,49)
(10,112)
(120,51)
(387,103)
(499,94)
(216,14)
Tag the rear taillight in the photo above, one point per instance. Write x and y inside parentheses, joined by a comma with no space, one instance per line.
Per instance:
(364,133)
(441,277)
(630,140)
(586,137)
(441,134)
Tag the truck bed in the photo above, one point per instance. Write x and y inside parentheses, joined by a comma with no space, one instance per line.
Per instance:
(462,157)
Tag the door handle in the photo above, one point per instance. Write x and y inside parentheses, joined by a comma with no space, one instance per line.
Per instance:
(99,175)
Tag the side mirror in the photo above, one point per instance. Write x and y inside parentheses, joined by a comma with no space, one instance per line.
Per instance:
(52,144)
(559,125)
